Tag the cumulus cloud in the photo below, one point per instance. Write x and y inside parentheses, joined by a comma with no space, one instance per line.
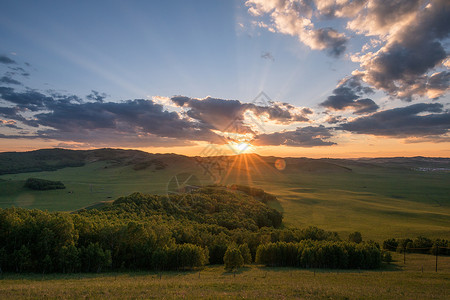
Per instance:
(67,118)
(407,38)
(310,136)
(348,95)
(417,120)
(295,18)
(218,113)
(413,48)
(139,122)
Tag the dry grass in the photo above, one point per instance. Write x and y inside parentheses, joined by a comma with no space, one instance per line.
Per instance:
(396,281)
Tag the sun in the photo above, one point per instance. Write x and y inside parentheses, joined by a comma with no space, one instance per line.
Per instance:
(241,147)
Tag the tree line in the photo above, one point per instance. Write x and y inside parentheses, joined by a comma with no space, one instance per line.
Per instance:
(420,244)
(149,232)
(320,254)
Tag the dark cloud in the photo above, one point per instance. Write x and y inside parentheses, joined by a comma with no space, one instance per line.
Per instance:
(416,120)
(220,113)
(67,118)
(400,68)
(437,84)
(9,80)
(267,55)
(96,96)
(309,136)
(334,43)
(139,117)
(348,96)
(335,119)
(6,60)
(18,70)
(30,99)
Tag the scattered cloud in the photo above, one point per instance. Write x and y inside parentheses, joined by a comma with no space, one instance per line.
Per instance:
(9,123)
(97,96)
(267,55)
(9,80)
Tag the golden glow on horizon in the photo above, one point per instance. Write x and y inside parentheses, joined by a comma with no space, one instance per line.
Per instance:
(241,147)
(349,147)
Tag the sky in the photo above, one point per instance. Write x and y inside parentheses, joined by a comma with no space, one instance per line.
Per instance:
(310,78)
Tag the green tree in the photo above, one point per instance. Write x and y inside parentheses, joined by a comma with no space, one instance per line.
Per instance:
(159,259)
(245,252)
(355,237)
(387,257)
(233,258)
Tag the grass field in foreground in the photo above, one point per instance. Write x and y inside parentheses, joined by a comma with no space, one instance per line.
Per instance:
(396,281)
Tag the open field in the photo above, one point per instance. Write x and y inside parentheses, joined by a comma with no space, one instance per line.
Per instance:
(379,200)
(396,281)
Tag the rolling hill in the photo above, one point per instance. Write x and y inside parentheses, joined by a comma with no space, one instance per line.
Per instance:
(381,197)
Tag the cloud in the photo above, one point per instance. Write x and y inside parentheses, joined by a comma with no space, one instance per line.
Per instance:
(96,96)
(9,123)
(136,122)
(335,119)
(408,38)
(9,80)
(295,18)
(224,115)
(348,95)
(139,122)
(267,55)
(309,136)
(30,99)
(6,60)
(417,120)
(413,47)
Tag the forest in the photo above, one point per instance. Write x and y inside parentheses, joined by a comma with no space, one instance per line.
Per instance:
(180,232)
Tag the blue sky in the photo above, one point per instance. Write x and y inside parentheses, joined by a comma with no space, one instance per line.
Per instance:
(297,52)
(134,49)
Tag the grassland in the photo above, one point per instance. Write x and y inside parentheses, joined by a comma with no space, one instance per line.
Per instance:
(396,281)
(379,201)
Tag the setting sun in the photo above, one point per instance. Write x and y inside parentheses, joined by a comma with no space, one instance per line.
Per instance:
(241,147)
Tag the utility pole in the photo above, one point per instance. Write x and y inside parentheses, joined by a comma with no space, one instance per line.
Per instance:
(437,250)
(404,255)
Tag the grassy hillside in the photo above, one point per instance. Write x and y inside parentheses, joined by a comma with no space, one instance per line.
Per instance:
(397,281)
(380,197)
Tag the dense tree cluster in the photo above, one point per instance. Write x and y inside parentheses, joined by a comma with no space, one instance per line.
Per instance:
(43,184)
(154,233)
(418,245)
(255,192)
(320,254)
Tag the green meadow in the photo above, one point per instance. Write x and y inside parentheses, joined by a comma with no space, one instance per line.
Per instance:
(379,201)
(395,281)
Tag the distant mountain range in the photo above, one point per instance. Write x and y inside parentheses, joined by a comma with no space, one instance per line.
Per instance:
(54,159)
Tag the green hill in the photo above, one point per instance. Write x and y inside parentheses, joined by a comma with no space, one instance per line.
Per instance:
(382,198)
